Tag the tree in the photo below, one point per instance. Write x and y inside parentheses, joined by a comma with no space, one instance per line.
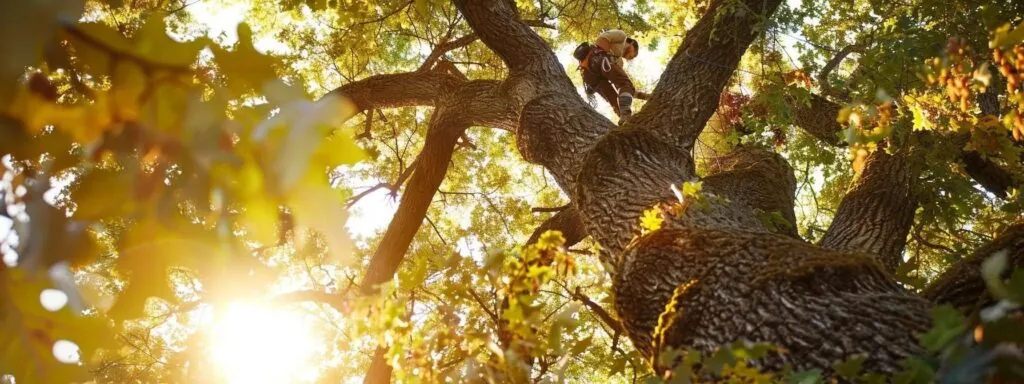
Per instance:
(696,268)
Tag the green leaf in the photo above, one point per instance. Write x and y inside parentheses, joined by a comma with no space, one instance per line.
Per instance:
(850,368)
(992,271)
(806,377)
(915,371)
(947,324)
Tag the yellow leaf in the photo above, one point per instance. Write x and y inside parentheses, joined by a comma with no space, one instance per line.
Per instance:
(692,188)
(318,207)
(128,84)
(260,219)
(28,331)
(306,123)
(551,239)
(153,43)
(920,121)
(651,221)
(246,69)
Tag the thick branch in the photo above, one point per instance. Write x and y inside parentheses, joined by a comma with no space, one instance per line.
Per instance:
(497,24)
(463,41)
(876,214)
(567,221)
(398,90)
(431,167)
(817,116)
(688,92)
(762,180)
(962,286)
(991,176)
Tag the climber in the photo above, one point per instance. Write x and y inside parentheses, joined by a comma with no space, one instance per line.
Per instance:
(601,64)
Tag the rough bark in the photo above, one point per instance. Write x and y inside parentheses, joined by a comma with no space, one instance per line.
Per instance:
(688,91)
(817,117)
(962,286)
(567,221)
(821,306)
(629,169)
(877,212)
(713,274)
(759,178)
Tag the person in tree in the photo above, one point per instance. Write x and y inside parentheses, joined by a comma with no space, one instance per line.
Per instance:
(602,70)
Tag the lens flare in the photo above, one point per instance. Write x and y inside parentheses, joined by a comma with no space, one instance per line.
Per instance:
(258,344)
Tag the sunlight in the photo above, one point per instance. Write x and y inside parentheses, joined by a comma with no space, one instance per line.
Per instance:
(258,344)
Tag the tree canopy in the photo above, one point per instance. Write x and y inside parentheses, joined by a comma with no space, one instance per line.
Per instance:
(417,191)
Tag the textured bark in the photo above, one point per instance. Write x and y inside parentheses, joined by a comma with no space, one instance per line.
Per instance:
(801,294)
(398,90)
(962,286)
(688,91)
(993,178)
(817,117)
(567,221)
(821,306)
(876,214)
(759,178)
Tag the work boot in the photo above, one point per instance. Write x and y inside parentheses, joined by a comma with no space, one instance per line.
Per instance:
(625,104)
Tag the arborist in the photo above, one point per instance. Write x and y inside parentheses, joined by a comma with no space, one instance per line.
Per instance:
(601,64)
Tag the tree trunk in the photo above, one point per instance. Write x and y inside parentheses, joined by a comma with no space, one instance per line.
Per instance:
(713,273)
(731,278)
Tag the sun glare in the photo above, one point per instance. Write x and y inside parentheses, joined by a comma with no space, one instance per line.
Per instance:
(257,344)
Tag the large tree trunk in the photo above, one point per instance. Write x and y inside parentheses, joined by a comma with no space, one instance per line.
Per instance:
(714,273)
(731,278)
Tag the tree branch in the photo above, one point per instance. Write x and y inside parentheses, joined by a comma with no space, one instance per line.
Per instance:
(689,90)
(429,170)
(962,286)
(826,86)
(877,213)
(567,221)
(818,118)
(398,90)
(448,46)
(601,313)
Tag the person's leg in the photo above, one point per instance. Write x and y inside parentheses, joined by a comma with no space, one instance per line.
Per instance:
(600,84)
(618,77)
